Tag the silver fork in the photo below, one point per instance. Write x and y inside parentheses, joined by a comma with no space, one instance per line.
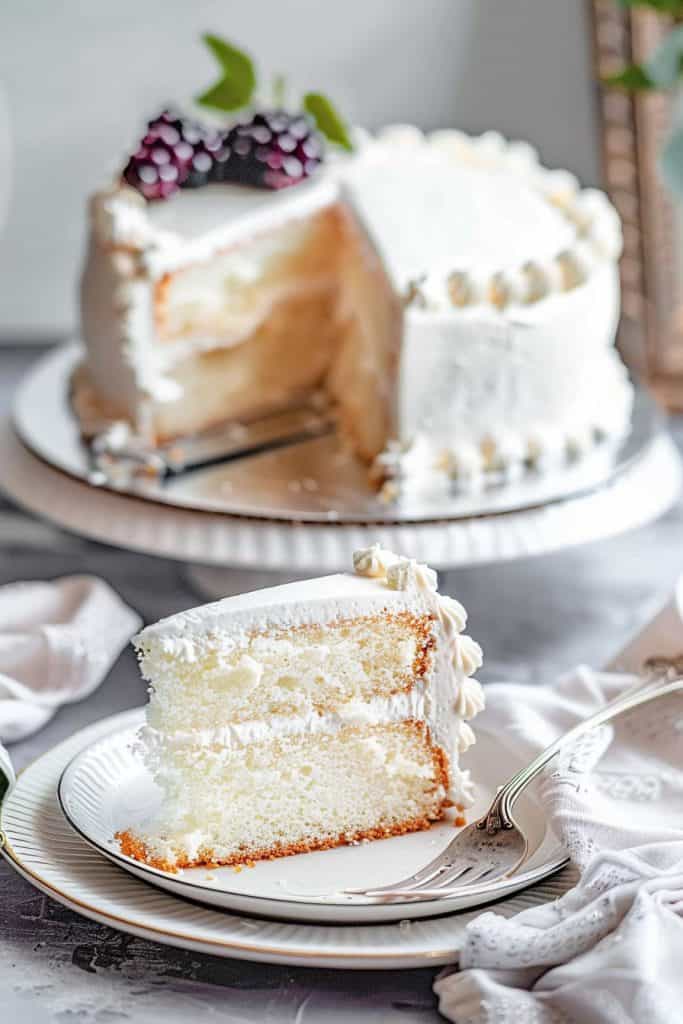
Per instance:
(495,846)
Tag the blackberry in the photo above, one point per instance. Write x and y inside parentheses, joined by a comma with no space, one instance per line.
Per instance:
(273,150)
(174,153)
(205,143)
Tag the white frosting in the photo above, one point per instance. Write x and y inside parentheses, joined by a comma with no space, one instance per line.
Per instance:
(469,699)
(464,786)
(379,710)
(406,573)
(489,389)
(196,223)
(306,602)
(477,221)
(370,562)
(452,214)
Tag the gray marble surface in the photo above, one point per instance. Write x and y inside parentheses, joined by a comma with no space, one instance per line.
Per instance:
(535,618)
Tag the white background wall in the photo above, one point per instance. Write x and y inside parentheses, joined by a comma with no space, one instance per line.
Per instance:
(80,77)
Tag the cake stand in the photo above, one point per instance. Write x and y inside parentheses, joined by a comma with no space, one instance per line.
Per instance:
(297,511)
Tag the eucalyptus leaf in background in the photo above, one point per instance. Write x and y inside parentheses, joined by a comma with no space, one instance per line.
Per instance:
(663,70)
(664,67)
(673,7)
(671,157)
(633,77)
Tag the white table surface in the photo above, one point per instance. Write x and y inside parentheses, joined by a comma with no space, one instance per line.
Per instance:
(534,619)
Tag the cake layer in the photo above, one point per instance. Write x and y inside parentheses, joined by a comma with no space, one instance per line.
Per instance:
(273,367)
(222,300)
(164,347)
(295,794)
(363,377)
(184,332)
(307,669)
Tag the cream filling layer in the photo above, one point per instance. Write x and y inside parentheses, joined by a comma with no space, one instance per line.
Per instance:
(238,324)
(415,703)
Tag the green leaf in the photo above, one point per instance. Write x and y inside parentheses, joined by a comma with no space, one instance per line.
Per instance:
(236,87)
(633,77)
(223,96)
(674,7)
(327,120)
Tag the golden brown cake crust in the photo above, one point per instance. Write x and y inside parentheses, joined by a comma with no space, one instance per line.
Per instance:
(133,847)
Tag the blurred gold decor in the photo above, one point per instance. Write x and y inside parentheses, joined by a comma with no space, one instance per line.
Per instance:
(638,47)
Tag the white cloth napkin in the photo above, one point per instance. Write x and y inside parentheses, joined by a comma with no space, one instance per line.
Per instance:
(58,640)
(611,950)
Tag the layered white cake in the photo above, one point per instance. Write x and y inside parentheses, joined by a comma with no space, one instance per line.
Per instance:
(306,716)
(456,301)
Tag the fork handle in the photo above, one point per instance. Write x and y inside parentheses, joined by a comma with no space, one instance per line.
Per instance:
(499,814)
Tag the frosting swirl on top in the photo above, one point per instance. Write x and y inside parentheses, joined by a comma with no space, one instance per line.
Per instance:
(372,562)
(398,573)
(407,574)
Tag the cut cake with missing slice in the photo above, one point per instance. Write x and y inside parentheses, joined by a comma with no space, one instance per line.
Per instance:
(306,716)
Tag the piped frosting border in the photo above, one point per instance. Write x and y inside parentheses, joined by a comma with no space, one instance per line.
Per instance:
(594,222)
(460,696)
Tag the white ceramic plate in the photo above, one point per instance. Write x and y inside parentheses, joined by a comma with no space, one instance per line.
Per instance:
(38,842)
(106,788)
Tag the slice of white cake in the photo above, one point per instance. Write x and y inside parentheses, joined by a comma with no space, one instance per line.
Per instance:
(306,716)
